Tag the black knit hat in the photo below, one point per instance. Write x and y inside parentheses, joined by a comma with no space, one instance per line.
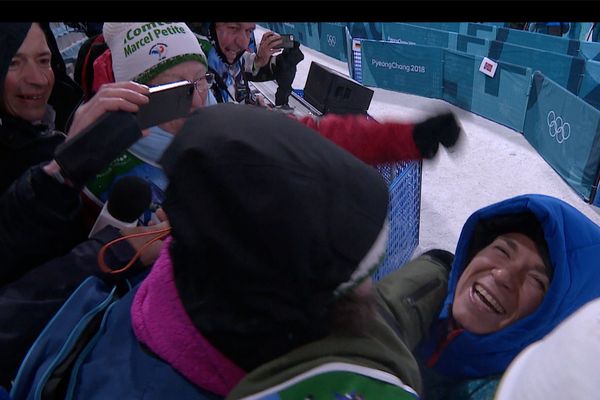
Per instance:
(271,222)
(12,35)
(487,230)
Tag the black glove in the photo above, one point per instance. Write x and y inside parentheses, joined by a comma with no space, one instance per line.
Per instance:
(430,133)
(445,257)
(285,72)
(290,57)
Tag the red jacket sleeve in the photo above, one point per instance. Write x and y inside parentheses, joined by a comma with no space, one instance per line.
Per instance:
(371,141)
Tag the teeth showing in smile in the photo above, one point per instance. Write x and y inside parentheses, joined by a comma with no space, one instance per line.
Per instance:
(488,299)
(32,97)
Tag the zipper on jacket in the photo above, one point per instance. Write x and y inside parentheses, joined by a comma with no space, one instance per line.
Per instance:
(416,296)
(411,301)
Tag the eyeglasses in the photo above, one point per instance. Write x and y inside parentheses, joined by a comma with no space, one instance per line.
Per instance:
(201,85)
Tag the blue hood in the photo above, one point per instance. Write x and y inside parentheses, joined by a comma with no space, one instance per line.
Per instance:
(574,248)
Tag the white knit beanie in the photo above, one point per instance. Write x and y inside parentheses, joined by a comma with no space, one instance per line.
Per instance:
(563,365)
(142,50)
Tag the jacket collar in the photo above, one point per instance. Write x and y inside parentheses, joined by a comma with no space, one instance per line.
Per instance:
(160,322)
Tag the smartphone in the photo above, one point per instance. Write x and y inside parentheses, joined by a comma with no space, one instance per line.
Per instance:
(167,102)
(92,150)
(288,41)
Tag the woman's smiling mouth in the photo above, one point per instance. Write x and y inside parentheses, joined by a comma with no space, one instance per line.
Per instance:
(487,298)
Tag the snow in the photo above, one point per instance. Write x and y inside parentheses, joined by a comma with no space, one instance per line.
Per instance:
(490,163)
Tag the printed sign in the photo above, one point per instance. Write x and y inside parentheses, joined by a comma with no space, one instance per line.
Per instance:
(488,67)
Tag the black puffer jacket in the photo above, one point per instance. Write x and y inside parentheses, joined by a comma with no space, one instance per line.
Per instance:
(38,216)
(28,303)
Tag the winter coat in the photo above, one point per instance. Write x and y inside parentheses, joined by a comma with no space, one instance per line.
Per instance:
(407,300)
(23,144)
(231,79)
(135,356)
(135,344)
(469,362)
(37,214)
(38,222)
(28,303)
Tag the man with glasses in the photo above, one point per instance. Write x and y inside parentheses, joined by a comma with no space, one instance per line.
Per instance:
(152,53)
(234,58)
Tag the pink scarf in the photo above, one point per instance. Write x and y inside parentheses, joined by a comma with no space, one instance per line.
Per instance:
(160,322)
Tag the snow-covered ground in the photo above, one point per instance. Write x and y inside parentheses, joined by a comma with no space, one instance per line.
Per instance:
(490,163)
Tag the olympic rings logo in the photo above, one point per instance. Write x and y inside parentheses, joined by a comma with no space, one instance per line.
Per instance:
(331,40)
(558,128)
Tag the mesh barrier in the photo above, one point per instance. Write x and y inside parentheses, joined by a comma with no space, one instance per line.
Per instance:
(404,185)
(404,182)
(403,179)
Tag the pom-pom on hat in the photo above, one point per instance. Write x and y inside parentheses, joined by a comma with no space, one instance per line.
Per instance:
(142,50)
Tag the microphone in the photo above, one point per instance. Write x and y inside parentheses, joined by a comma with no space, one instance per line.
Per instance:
(129,197)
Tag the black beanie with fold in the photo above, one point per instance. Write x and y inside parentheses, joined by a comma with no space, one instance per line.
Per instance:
(269,220)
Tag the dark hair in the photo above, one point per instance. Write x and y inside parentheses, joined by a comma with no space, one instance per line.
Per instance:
(487,230)
(352,313)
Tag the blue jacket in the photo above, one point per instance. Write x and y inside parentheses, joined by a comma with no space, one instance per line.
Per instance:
(574,248)
(127,369)
(113,364)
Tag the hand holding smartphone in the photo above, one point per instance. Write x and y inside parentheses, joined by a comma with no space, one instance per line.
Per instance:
(89,153)
(287,41)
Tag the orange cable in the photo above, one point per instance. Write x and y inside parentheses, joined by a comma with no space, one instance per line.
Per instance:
(162,233)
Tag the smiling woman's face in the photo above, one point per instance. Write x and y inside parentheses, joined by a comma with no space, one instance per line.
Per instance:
(503,283)
(30,79)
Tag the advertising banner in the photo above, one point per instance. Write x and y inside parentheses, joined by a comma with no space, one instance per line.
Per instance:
(333,40)
(562,69)
(540,41)
(565,130)
(405,68)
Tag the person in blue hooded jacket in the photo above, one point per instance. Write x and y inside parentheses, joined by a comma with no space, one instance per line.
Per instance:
(522,266)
